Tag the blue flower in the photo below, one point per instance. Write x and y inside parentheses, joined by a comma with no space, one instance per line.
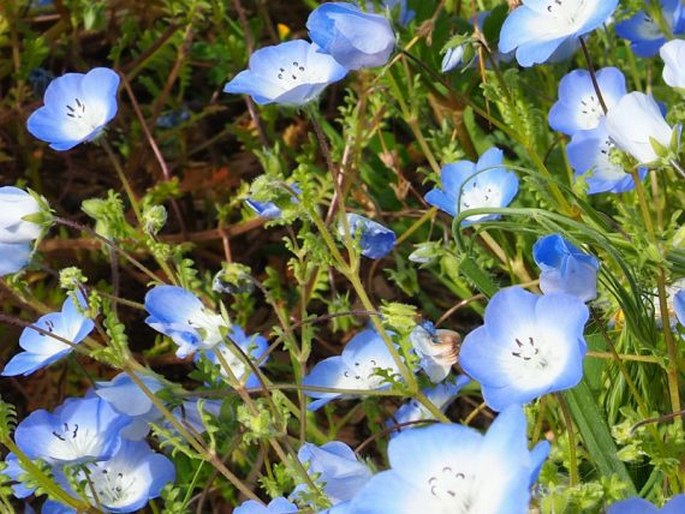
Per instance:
(397,8)
(578,107)
(357,368)
(466,185)
(14,257)
(80,430)
(335,467)
(645,35)
(529,346)
(452,468)
(538,27)
(565,268)
(179,314)
(276,506)
(442,395)
(589,155)
(253,346)
(354,38)
(438,349)
(77,108)
(15,205)
(270,210)
(126,482)
(124,395)
(375,240)
(292,73)
(452,58)
(40,349)
(636,505)
(679,306)
(14,471)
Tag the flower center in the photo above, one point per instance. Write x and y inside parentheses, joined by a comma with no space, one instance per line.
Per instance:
(452,487)
(364,372)
(566,13)
(591,110)
(71,443)
(529,352)
(474,196)
(112,488)
(650,29)
(77,110)
(291,75)
(207,325)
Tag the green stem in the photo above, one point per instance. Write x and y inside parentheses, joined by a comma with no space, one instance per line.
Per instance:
(573,458)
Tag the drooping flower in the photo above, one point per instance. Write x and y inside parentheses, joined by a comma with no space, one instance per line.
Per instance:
(578,107)
(466,185)
(635,505)
(126,482)
(538,27)
(589,155)
(438,349)
(452,58)
(634,122)
(291,73)
(77,108)
(80,430)
(565,268)
(14,257)
(442,395)
(673,55)
(276,506)
(15,204)
(335,468)
(529,346)
(358,367)
(645,34)
(41,348)
(397,8)
(449,469)
(356,39)
(179,314)
(254,347)
(375,240)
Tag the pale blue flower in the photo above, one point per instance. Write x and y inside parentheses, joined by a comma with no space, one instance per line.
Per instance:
(565,268)
(354,38)
(80,430)
(357,368)
(77,108)
(375,240)
(335,468)
(635,505)
(644,33)
(453,57)
(437,348)
(276,506)
(578,107)
(530,345)
(14,471)
(291,73)
(673,55)
(270,210)
(15,204)
(14,257)
(448,468)
(466,185)
(589,155)
(191,414)
(179,314)
(538,27)
(679,306)
(40,348)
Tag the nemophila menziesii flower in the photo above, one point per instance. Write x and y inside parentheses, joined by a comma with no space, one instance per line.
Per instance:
(530,345)
(127,481)
(397,8)
(442,395)
(126,397)
(449,469)
(354,38)
(673,55)
(453,57)
(254,347)
(335,468)
(679,306)
(276,506)
(43,348)
(635,505)
(14,471)
(77,108)
(538,27)
(15,204)
(437,348)
(466,185)
(565,268)
(645,34)
(358,367)
(270,210)
(635,122)
(589,154)
(80,430)
(179,314)
(291,73)
(578,107)
(14,257)
(375,240)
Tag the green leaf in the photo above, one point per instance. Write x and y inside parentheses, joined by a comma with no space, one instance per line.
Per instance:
(595,433)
